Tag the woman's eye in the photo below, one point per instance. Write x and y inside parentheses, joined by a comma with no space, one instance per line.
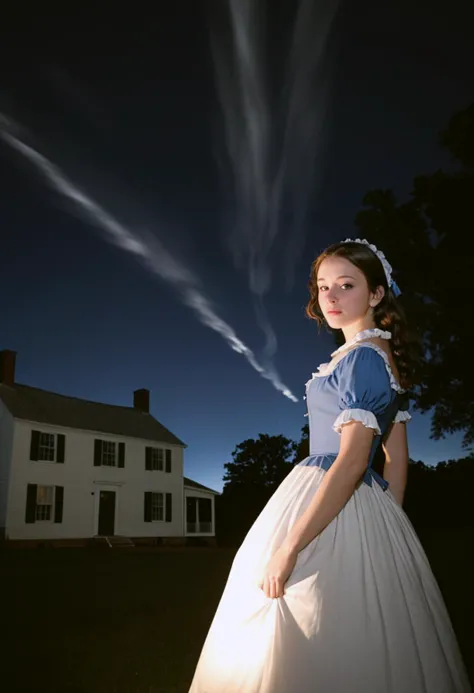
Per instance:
(345,287)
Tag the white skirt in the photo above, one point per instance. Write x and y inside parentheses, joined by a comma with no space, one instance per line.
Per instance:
(361,613)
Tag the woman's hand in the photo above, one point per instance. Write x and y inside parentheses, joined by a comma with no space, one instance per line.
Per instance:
(277,571)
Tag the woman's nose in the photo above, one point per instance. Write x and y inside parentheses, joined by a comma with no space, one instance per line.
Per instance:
(331,296)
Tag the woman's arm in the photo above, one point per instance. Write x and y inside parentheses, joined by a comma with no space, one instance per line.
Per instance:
(334,491)
(395,469)
(336,488)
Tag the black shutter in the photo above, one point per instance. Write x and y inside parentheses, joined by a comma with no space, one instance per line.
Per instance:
(30,514)
(34,447)
(121,456)
(148,459)
(61,444)
(147,506)
(58,503)
(97,452)
(168,461)
(169,509)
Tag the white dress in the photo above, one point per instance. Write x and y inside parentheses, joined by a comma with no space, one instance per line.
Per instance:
(362,612)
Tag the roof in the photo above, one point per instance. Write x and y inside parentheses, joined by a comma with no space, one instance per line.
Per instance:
(194,484)
(41,406)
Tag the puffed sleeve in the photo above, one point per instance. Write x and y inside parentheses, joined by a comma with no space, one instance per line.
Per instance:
(364,389)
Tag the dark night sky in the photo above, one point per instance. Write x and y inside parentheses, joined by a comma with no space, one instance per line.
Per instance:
(127,106)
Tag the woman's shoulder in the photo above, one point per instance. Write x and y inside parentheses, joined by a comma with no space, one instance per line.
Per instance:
(370,360)
(367,361)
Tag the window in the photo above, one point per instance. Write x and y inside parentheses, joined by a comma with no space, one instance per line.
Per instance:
(198,515)
(44,503)
(108,453)
(157,507)
(156,459)
(46,447)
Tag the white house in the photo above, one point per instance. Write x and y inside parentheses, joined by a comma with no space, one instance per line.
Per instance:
(72,470)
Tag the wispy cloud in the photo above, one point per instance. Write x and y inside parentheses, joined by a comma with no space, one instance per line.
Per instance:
(267,174)
(147,249)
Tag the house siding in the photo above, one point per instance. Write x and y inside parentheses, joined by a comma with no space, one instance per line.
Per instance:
(82,483)
(6,444)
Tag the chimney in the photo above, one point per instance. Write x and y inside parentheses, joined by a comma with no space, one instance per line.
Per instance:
(141,401)
(7,367)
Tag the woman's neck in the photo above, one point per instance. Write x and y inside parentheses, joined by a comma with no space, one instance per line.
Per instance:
(351,330)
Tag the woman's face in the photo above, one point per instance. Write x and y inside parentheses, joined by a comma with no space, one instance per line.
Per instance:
(343,293)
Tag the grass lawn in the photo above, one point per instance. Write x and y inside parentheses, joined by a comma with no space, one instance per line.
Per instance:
(108,621)
(133,621)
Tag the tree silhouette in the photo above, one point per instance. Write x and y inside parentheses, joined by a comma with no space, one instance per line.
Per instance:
(258,468)
(302,448)
(430,242)
(438,498)
(261,464)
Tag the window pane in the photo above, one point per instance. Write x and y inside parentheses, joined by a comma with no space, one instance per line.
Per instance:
(157,459)
(46,447)
(43,512)
(44,502)
(108,453)
(157,507)
(44,495)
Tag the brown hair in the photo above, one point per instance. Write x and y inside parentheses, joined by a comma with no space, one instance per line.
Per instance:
(388,314)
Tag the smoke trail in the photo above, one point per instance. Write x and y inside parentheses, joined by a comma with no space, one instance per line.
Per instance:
(250,131)
(264,178)
(250,147)
(247,131)
(149,251)
(306,91)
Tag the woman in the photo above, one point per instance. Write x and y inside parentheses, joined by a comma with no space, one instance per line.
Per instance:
(331,591)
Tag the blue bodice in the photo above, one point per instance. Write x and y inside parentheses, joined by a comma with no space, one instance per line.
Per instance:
(360,386)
